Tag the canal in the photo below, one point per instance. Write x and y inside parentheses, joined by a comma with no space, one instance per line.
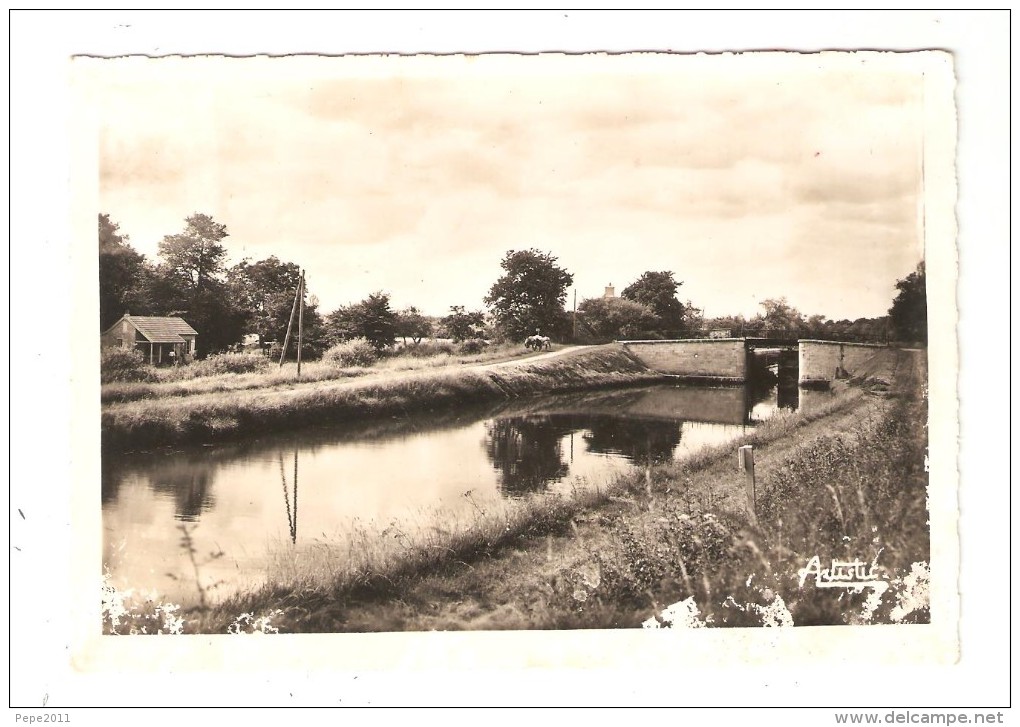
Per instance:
(200,523)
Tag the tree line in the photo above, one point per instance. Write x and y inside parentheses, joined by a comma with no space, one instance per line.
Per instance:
(191,279)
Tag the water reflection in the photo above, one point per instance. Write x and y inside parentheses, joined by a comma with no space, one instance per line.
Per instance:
(190,487)
(291,515)
(643,441)
(359,478)
(527,452)
(531,452)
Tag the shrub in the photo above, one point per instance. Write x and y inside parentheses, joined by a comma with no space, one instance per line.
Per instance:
(474,345)
(428,349)
(118,364)
(355,352)
(231,363)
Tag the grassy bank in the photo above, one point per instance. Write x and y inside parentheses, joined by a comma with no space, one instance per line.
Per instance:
(181,381)
(220,415)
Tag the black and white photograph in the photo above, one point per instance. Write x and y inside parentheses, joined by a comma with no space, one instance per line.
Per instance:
(552,342)
(543,359)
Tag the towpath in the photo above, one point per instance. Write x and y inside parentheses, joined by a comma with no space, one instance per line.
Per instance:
(526,359)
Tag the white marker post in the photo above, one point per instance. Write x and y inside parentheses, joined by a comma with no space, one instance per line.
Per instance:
(745,462)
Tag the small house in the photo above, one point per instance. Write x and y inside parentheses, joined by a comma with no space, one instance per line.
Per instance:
(721,333)
(161,339)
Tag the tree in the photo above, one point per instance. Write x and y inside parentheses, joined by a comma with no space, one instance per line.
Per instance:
(196,254)
(780,319)
(371,319)
(530,295)
(909,312)
(461,324)
(616,318)
(411,323)
(122,275)
(263,292)
(190,282)
(657,291)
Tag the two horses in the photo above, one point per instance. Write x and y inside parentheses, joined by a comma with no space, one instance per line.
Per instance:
(538,343)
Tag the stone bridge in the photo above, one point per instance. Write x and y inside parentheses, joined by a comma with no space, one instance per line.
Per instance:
(728,360)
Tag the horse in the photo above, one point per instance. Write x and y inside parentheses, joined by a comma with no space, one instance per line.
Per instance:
(538,343)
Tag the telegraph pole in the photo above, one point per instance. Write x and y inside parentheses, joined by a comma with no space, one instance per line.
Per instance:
(300,326)
(574,337)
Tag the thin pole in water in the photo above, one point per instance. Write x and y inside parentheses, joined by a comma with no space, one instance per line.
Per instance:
(293,527)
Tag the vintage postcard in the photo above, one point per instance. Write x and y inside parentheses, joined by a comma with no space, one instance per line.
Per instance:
(596,360)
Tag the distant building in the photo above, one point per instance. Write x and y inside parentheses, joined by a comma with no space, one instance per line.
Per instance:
(610,291)
(161,339)
(721,333)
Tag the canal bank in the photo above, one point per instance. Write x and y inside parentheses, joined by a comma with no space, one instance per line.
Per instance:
(226,415)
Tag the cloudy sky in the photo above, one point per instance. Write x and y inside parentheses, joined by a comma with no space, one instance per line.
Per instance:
(750,176)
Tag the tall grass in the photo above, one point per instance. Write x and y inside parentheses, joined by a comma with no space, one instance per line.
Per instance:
(857,494)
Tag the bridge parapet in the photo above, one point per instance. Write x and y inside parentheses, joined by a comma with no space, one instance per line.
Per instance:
(823,361)
(718,360)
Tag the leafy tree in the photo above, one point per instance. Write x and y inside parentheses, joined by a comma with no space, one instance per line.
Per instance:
(736,325)
(263,293)
(657,291)
(190,281)
(411,323)
(196,255)
(530,295)
(371,319)
(616,318)
(909,312)
(780,319)
(461,324)
(123,275)
(694,318)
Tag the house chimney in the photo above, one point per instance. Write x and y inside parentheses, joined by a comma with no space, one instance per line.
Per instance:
(610,291)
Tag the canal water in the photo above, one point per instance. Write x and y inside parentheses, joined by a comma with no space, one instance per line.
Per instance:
(206,519)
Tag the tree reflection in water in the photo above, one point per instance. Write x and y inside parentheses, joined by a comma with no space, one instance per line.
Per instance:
(644,441)
(190,489)
(527,452)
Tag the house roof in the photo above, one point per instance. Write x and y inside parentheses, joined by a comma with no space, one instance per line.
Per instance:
(161,329)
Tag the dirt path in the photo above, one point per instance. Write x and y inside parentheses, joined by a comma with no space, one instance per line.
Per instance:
(527,359)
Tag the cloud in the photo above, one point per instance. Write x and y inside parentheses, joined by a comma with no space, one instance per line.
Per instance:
(374,176)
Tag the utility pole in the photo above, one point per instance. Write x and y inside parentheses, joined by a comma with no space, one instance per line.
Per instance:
(290,325)
(300,334)
(574,337)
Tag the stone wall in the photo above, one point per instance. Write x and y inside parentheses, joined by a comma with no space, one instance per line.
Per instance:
(821,361)
(701,358)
